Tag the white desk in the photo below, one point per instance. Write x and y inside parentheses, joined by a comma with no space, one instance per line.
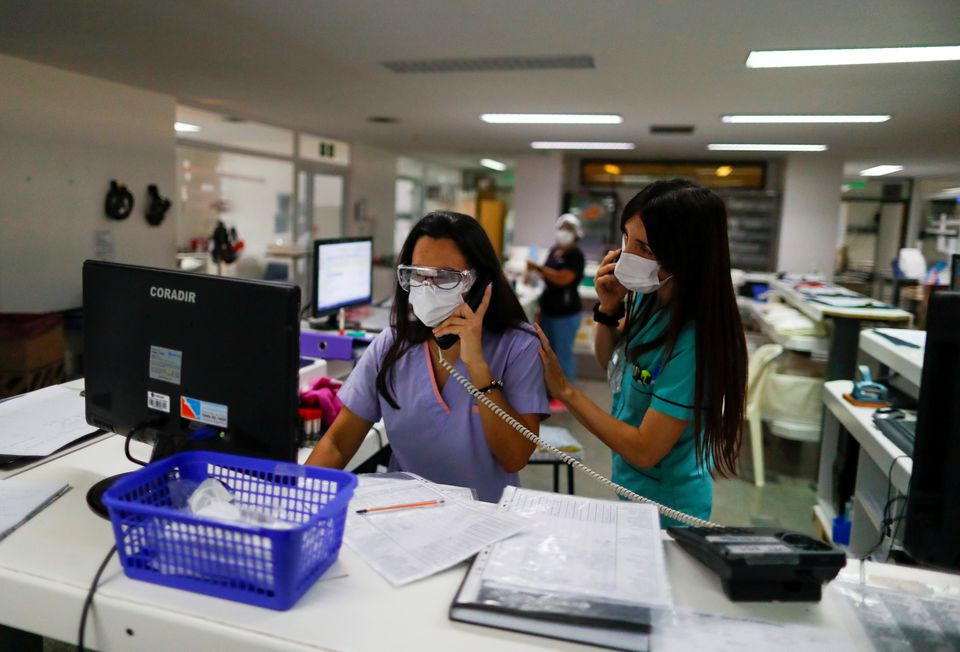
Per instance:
(48,564)
(845,326)
(817,346)
(904,360)
(876,459)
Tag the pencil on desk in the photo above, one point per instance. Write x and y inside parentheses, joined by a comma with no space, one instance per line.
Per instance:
(426,503)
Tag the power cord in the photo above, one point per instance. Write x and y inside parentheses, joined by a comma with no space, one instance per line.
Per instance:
(89,601)
(583,468)
(887,519)
(126,450)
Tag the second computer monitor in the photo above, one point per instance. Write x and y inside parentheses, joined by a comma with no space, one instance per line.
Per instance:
(342,274)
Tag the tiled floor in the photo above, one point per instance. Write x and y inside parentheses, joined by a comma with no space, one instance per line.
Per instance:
(786,500)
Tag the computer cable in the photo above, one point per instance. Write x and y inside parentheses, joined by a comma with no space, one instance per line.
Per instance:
(126,450)
(583,468)
(886,520)
(89,601)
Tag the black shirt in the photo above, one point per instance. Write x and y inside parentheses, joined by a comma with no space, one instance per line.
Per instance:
(562,300)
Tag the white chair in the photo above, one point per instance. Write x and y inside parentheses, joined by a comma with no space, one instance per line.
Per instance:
(757,372)
(790,403)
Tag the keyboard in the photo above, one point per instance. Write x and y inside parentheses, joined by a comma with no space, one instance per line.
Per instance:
(902,432)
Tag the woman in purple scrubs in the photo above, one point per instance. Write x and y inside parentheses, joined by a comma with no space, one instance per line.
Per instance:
(449,284)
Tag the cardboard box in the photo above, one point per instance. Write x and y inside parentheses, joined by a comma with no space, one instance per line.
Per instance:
(13,383)
(28,342)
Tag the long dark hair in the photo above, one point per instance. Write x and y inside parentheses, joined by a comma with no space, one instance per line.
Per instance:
(686,228)
(472,241)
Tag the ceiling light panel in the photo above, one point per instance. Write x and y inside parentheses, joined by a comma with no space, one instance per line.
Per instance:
(804,119)
(851,56)
(769,147)
(880,170)
(544,144)
(552,118)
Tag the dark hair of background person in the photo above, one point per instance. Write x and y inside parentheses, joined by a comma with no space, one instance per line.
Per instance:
(686,228)
(466,233)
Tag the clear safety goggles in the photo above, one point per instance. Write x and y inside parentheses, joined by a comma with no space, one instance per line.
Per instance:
(411,276)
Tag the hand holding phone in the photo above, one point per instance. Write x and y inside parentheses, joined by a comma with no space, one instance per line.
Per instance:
(609,289)
(466,324)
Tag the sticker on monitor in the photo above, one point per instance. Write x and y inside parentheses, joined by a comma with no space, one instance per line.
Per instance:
(213,414)
(156,401)
(165,364)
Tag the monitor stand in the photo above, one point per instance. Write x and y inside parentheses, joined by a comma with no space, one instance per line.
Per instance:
(164,446)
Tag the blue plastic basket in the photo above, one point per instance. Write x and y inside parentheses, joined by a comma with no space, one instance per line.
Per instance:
(262,566)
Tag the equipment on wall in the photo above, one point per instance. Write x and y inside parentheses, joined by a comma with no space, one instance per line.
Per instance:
(157,206)
(225,245)
(119,202)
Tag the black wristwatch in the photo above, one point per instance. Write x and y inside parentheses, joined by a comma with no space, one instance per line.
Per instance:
(608,320)
(497,384)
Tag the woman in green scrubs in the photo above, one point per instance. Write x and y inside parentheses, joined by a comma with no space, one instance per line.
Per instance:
(669,334)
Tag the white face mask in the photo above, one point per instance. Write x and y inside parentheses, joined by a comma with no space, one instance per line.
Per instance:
(564,238)
(638,274)
(433,305)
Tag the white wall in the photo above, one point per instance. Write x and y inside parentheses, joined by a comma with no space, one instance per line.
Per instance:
(811,211)
(371,195)
(63,137)
(537,196)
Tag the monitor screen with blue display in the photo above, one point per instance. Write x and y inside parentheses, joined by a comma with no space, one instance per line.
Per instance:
(342,274)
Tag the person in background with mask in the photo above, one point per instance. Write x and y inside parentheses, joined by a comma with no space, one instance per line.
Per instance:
(669,333)
(560,302)
(450,283)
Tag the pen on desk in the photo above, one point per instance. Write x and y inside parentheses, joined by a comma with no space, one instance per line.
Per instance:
(426,503)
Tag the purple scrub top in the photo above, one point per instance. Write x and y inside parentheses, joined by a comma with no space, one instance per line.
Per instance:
(438,434)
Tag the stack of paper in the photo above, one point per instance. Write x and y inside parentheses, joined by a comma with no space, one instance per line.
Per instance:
(408,544)
(41,422)
(585,570)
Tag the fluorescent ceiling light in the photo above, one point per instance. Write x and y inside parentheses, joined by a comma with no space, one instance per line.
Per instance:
(850,56)
(546,144)
(880,170)
(552,118)
(493,164)
(185,127)
(752,147)
(951,191)
(802,119)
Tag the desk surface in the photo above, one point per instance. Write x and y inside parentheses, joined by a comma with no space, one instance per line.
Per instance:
(859,423)
(906,361)
(49,562)
(819,311)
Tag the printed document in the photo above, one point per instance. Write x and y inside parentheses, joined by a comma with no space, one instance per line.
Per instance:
(41,422)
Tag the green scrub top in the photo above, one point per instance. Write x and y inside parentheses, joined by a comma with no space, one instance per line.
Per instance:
(667,386)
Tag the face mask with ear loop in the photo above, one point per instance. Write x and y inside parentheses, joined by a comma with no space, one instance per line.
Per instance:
(639,274)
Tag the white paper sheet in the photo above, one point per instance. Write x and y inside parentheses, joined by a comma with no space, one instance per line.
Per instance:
(41,422)
(584,546)
(20,501)
(410,544)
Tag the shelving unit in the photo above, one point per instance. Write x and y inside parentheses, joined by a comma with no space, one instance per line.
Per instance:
(753,226)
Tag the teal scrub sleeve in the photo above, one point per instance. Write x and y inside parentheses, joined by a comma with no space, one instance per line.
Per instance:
(673,389)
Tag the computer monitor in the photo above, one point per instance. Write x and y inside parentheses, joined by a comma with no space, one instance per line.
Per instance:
(955,272)
(192,361)
(932,527)
(342,274)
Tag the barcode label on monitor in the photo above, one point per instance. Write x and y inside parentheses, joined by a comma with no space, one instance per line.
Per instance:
(157,401)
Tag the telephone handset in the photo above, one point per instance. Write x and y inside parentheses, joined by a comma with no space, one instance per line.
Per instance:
(523,430)
(474,299)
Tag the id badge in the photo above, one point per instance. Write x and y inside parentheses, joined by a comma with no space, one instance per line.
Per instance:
(615,369)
